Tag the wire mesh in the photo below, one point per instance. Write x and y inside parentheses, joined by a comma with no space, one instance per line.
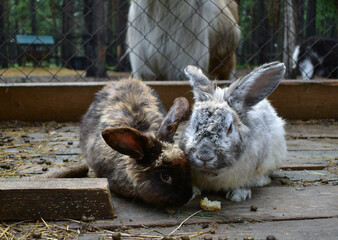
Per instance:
(156,39)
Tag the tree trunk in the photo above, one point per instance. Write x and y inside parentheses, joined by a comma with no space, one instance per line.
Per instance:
(121,30)
(299,19)
(67,45)
(311,18)
(252,37)
(3,39)
(110,55)
(33,16)
(95,47)
(262,33)
(274,23)
(289,38)
(55,29)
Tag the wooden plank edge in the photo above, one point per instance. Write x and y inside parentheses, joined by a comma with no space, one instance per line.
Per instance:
(111,225)
(69,101)
(52,199)
(304,167)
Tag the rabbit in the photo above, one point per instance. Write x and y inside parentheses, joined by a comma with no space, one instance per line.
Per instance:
(316,56)
(163,36)
(234,138)
(125,138)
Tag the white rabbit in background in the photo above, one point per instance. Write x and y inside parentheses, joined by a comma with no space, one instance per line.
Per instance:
(165,35)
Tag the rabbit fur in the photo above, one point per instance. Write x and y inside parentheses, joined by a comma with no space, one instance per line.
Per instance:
(163,36)
(234,138)
(126,138)
(316,56)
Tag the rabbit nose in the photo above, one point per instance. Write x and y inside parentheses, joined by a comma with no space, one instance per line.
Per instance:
(204,155)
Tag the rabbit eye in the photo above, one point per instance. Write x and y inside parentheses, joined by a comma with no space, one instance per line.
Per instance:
(166,178)
(229,129)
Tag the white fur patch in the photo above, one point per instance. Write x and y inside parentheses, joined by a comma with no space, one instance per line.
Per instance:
(306,68)
(295,57)
(238,195)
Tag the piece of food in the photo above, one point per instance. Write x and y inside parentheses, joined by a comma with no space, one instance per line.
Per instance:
(211,206)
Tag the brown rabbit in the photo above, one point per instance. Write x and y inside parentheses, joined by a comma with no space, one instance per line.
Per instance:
(126,138)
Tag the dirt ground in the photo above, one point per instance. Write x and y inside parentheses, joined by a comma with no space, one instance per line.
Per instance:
(301,202)
(52,74)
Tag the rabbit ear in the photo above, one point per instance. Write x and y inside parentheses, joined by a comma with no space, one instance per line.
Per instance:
(127,141)
(169,125)
(202,87)
(253,88)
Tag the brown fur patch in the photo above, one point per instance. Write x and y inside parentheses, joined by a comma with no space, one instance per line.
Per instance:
(130,104)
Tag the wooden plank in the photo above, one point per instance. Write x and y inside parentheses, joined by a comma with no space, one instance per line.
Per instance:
(312,131)
(50,199)
(323,229)
(304,167)
(305,176)
(313,144)
(274,204)
(312,153)
(69,101)
(305,99)
(316,155)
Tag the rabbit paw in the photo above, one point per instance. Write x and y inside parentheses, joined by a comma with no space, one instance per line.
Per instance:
(238,195)
(195,193)
(263,181)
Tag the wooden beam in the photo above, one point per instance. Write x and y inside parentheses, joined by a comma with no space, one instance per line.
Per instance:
(293,99)
(298,167)
(313,229)
(51,199)
(274,204)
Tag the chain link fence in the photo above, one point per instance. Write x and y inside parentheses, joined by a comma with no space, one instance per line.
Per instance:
(100,40)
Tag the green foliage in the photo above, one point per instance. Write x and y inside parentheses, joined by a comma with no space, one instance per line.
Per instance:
(245,16)
(20,16)
(326,17)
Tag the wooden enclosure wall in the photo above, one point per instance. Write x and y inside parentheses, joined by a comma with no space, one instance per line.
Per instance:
(62,102)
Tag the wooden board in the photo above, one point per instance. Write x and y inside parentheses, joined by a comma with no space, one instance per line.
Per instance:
(316,229)
(306,176)
(293,99)
(25,199)
(274,204)
(312,130)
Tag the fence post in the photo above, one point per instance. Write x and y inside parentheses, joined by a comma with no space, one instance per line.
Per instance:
(289,37)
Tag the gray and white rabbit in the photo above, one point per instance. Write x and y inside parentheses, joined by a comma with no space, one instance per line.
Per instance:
(234,138)
(126,138)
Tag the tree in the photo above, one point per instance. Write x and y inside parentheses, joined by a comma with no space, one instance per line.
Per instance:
(95,36)
(3,39)
(289,37)
(33,16)
(262,30)
(299,18)
(311,18)
(67,45)
(111,6)
(122,7)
